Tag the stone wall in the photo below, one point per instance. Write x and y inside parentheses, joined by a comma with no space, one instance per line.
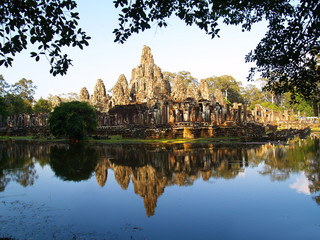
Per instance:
(283,120)
(25,125)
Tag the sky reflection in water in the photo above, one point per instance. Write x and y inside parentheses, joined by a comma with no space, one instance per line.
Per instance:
(180,191)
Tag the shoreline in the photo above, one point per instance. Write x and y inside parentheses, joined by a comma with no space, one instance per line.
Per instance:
(117,139)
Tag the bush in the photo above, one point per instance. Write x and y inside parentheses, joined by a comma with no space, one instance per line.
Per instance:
(73,120)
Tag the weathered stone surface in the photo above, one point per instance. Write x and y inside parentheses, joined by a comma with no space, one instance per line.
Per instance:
(161,89)
(219,97)
(99,93)
(178,90)
(56,101)
(84,95)
(292,116)
(147,80)
(146,56)
(100,100)
(204,89)
(120,92)
(192,91)
(149,101)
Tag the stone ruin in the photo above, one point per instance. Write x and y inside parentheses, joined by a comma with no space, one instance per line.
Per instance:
(147,85)
(148,101)
(283,120)
(149,107)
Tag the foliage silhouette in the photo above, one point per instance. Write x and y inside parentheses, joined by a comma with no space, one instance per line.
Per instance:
(47,24)
(286,56)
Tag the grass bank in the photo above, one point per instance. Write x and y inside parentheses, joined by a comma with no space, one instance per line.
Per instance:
(315,129)
(117,139)
(31,139)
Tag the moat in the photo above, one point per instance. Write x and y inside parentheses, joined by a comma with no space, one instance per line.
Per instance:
(160,191)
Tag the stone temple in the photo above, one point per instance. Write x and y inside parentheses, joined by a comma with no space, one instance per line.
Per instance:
(146,86)
(151,107)
(149,104)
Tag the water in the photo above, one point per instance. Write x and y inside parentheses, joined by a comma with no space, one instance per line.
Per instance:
(177,191)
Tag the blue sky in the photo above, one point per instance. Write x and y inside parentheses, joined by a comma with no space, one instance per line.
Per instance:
(175,48)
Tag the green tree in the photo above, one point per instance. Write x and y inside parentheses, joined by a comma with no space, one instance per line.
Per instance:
(270,95)
(3,108)
(251,94)
(186,77)
(25,89)
(17,105)
(272,106)
(18,99)
(229,86)
(3,104)
(68,97)
(47,24)
(73,119)
(42,106)
(3,86)
(300,104)
(235,96)
(65,97)
(286,56)
(169,76)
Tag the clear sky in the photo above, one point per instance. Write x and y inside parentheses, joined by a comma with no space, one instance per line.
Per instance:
(175,48)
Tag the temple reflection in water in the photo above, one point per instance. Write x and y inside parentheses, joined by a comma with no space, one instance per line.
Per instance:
(150,168)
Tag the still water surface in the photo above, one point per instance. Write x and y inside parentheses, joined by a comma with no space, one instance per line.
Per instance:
(178,191)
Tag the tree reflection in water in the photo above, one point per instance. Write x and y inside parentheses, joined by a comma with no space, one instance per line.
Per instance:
(152,167)
(299,155)
(74,162)
(17,162)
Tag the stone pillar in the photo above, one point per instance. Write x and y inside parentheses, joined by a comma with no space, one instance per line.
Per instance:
(272,116)
(213,117)
(286,115)
(299,119)
(228,112)
(234,112)
(292,115)
(163,113)
(279,117)
(186,115)
(263,115)
(218,119)
(245,113)
(168,113)
(239,114)
(257,113)
(304,116)
(222,116)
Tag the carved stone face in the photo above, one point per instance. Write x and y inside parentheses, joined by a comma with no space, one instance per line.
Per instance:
(84,95)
